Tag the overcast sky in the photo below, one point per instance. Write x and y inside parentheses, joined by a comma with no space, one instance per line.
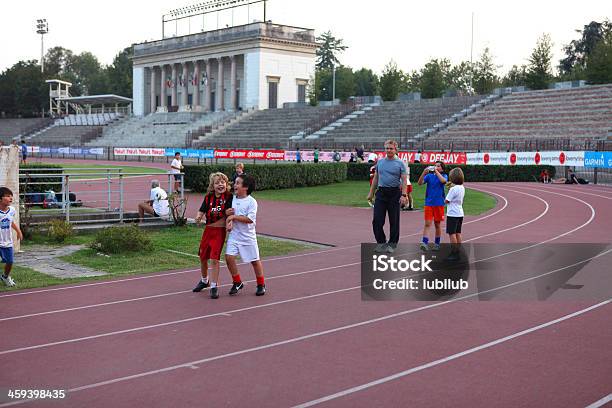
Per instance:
(409,32)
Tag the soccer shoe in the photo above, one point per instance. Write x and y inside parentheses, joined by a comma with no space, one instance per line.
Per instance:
(424,247)
(436,247)
(8,281)
(214,293)
(201,285)
(261,290)
(236,287)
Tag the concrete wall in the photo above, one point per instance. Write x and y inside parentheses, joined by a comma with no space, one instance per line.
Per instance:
(138,90)
(290,68)
(9,177)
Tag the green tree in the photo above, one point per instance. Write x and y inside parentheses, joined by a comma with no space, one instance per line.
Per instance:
(432,79)
(57,60)
(391,81)
(458,78)
(599,62)
(577,51)
(366,82)
(539,70)
(86,72)
(328,50)
(24,92)
(119,74)
(517,76)
(485,76)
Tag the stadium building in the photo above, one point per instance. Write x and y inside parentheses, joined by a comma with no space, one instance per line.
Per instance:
(258,65)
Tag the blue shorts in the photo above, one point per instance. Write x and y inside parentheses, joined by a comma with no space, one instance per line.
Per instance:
(177,177)
(7,255)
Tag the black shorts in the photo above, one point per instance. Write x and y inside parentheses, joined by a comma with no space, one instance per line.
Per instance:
(177,177)
(453,225)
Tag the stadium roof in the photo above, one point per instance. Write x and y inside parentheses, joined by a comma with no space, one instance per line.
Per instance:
(97,99)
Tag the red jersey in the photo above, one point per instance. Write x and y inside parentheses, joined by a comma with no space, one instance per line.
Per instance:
(214,207)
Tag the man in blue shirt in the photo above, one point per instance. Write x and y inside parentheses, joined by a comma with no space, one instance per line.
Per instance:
(24,152)
(435,179)
(390,183)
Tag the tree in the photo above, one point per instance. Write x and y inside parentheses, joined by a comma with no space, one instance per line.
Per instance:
(577,51)
(366,82)
(485,77)
(599,62)
(86,72)
(458,78)
(23,90)
(119,74)
(432,79)
(515,77)
(539,70)
(391,81)
(328,50)
(57,60)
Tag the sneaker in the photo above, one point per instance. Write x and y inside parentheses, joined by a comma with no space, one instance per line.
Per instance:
(236,287)
(214,293)
(261,290)
(436,247)
(8,281)
(201,285)
(380,248)
(390,248)
(424,247)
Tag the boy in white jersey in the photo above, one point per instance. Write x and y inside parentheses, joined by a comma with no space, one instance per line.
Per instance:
(7,213)
(242,239)
(454,211)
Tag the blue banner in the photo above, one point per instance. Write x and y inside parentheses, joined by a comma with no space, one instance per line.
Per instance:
(601,160)
(191,153)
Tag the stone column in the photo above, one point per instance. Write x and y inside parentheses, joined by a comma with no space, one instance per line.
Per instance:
(207,90)
(162,91)
(174,100)
(185,90)
(153,105)
(196,86)
(219,104)
(233,83)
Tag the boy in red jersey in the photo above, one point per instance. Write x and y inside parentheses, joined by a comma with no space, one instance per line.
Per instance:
(217,200)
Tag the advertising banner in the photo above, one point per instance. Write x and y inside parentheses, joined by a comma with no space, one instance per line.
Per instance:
(250,154)
(602,160)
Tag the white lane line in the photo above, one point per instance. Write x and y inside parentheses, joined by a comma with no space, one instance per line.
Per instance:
(316,334)
(49,312)
(580,192)
(161,275)
(601,402)
(452,357)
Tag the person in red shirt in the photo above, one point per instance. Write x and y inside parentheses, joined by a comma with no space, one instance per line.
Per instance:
(218,199)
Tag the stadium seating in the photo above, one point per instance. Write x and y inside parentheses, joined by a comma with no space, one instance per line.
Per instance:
(12,128)
(94,119)
(573,115)
(267,128)
(63,136)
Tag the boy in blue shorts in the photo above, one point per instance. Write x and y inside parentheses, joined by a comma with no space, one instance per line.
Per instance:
(7,214)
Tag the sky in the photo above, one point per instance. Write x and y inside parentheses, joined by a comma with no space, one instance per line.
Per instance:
(410,33)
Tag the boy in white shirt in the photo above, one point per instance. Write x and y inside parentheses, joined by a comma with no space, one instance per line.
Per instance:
(454,211)
(7,214)
(242,239)
(176,167)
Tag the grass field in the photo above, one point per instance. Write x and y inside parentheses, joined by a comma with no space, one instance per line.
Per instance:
(173,248)
(100,168)
(354,194)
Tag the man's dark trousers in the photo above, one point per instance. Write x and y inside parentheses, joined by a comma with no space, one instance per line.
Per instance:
(387,201)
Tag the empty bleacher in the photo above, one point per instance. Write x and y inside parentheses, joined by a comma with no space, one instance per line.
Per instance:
(266,128)
(393,120)
(63,136)
(12,128)
(575,115)
(94,119)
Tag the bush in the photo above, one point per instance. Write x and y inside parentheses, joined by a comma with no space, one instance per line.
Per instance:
(49,182)
(271,176)
(115,240)
(473,173)
(59,230)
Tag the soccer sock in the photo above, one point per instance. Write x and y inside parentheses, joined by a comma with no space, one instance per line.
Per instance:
(425,240)
(438,240)
(260,280)
(204,280)
(236,278)
(213,285)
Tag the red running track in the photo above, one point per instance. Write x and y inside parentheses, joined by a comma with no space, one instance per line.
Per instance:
(150,341)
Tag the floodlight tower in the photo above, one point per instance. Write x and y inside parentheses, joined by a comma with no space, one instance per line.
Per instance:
(42,28)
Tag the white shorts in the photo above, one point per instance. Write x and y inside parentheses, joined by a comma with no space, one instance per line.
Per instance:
(248,253)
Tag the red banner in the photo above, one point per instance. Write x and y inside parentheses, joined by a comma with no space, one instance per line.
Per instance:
(431,157)
(250,154)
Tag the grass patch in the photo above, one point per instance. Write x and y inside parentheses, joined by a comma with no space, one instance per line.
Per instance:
(185,240)
(101,168)
(354,193)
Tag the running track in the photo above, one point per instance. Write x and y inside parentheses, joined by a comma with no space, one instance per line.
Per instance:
(149,341)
